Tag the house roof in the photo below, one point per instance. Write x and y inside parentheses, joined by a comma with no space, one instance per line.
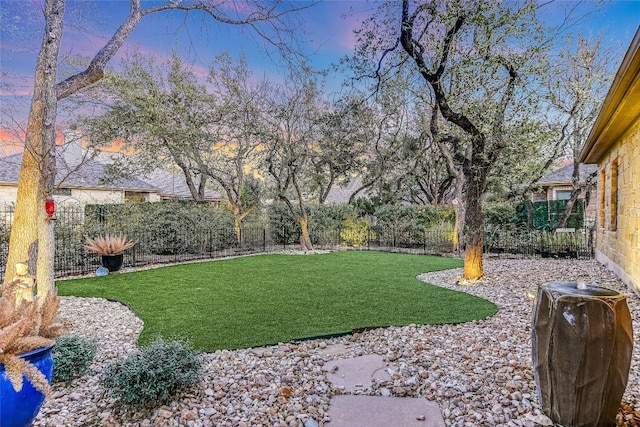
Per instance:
(89,175)
(174,185)
(620,108)
(341,194)
(564,175)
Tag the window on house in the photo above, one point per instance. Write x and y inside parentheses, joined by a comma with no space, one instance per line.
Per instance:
(613,208)
(603,181)
(134,196)
(62,192)
(563,194)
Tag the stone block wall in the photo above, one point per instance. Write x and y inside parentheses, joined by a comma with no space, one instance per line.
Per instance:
(618,236)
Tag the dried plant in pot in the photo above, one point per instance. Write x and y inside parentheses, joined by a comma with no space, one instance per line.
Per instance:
(111,247)
(27,329)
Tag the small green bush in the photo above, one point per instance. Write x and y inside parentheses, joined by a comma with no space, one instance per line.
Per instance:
(72,356)
(154,375)
(355,232)
(413,217)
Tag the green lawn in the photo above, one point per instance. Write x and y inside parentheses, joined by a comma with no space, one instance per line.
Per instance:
(265,299)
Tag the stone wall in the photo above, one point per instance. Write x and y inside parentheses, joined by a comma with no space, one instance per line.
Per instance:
(618,237)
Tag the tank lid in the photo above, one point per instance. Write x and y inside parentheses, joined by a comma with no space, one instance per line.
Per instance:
(584,289)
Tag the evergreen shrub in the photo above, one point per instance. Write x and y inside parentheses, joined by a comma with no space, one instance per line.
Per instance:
(165,228)
(501,214)
(72,356)
(154,375)
(414,218)
(325,223)
(356,231)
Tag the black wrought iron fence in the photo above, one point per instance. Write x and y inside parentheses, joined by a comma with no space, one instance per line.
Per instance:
(177,244)
(562,243)
(65,215)
(158,248)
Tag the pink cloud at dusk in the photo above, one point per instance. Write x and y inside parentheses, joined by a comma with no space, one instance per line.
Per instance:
(197,38)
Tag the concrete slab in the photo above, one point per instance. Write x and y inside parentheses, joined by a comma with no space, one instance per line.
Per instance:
(379,411)
(357,373)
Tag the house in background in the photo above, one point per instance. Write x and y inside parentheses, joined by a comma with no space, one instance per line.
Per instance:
(174,187)
(340,193)
(614,145)
(81,181)
(80,187)
(557,186)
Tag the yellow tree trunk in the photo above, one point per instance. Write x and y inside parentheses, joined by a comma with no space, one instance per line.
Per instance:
(305,239)
(237,220)
(32,236)
(474,221)
(24,230)
(473,267)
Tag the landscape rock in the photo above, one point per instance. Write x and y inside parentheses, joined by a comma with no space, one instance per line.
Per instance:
(480,373)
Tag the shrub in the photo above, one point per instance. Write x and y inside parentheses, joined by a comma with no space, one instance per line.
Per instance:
(154,375)
(501,215)
(355,232)
(72,356)
(165,228)
(413,217)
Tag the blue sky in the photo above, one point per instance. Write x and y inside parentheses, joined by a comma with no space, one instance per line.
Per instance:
(328,36)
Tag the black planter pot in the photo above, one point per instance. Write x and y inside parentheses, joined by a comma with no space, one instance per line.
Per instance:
(112,262)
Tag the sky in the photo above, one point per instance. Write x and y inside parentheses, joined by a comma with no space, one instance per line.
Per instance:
(328,35)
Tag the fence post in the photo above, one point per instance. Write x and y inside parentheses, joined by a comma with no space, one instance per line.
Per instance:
(175,241)
(135,248)
(424,242)
(393,230)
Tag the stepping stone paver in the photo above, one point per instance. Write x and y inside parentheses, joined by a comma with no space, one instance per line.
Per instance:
(356,373)
(378,411)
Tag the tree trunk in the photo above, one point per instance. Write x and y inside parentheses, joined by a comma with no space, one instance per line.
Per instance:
(32,231)
(562,222)
(238,216)
(458,231)
(474,224)
(530,213)
(305,239)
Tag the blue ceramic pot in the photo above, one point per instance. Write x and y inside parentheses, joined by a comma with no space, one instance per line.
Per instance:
(19,409)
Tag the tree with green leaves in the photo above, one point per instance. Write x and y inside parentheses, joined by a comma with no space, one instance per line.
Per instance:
(167,118)
(235,154)
(577,84)
(158,117)
(479,63)
(32,231)
(289,139)
(480,60)
(341,148)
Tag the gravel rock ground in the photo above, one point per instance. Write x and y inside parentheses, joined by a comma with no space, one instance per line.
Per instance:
(479,372)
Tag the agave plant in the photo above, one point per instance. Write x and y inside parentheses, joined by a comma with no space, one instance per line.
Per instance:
(26,325)
(108,244)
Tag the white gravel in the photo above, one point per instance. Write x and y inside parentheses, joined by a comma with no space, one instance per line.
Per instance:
(479,372)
